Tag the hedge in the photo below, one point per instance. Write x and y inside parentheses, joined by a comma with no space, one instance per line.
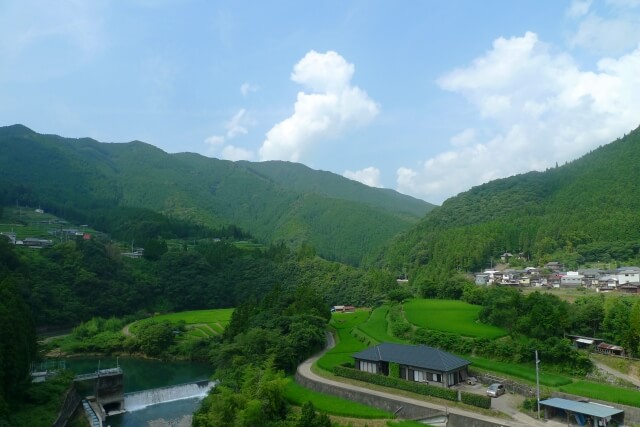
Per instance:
(414,387)
(475,400)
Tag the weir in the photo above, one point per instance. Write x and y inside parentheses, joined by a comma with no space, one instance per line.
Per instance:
(141,399)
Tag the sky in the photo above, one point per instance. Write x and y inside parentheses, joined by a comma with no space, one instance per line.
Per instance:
(426,97)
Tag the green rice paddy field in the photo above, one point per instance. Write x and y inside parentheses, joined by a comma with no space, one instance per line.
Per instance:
(199,323)
(457,317)
(298,395)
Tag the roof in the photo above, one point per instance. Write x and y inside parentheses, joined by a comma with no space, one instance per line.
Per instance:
(587,408)
(606,346)
(584,341)
(419,356)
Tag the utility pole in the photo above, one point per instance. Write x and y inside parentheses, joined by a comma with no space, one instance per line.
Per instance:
(537,384)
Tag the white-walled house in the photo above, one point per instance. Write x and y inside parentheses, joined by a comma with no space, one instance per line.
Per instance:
(625,276)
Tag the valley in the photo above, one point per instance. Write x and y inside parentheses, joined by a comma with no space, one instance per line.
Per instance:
(204,270)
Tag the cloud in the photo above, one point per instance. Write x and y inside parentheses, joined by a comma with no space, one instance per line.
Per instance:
(607,36)
(234,153)
(464,138)
(537,107)
(578,8)
(215,140)
(238,124)
(368,176)
(246,88)
(333,107)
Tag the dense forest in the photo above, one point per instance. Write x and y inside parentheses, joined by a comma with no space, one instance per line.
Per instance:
(582,212)
(87,182)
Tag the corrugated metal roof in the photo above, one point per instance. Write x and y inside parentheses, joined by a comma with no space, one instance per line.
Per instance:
(587,408)
(419,356)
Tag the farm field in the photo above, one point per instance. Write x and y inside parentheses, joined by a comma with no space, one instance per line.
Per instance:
(604,392)
(199,323)
(456,317)
(377,327)
(332,405)
(527,373)
(346,343)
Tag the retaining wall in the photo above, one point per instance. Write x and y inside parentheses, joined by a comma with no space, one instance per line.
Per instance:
(71,401)
(401,409)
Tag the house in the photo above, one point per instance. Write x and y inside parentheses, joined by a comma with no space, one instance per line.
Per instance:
(504,258)
(482,278)
(418,363)
(628,275)
(553,266)
(572,279)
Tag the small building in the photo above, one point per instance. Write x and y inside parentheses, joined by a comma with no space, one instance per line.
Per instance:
(582,413)
(628,275)
(482,279)
(610,349)
(572,279)
(343,309)
(419,363)
(553,266)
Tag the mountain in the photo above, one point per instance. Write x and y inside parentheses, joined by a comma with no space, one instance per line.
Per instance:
(274,201)
(585,211)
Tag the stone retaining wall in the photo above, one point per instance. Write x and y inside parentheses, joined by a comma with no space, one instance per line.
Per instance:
(71,401)
(399,408)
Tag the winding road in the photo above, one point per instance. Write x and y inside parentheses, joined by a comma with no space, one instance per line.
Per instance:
(518,419)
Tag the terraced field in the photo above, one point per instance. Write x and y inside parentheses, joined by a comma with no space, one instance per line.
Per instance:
(199,323)
(457,317)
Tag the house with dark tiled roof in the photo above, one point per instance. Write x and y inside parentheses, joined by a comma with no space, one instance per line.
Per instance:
(419,363)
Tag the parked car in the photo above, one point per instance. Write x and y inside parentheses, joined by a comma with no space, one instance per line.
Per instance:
(495,390)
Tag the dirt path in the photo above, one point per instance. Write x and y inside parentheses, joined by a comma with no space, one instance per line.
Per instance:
(633,380)
(521,420)
(126,332)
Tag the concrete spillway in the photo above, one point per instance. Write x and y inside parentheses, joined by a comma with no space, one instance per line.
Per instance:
(141,399)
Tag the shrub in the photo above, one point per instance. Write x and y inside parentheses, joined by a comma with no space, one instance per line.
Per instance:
(475,400)
(414,387)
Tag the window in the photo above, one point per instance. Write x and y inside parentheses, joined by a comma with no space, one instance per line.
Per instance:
(420,376)
(368,367)
(435,377)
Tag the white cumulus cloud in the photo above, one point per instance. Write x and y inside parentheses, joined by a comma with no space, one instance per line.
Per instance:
(369,176)
(233,153)
(332,107)
(537,106)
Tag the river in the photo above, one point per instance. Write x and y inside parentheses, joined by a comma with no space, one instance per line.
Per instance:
(143,374)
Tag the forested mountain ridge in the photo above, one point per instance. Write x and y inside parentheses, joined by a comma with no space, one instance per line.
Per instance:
(274,201)
(584,211)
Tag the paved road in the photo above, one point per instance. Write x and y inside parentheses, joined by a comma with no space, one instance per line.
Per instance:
(519,419)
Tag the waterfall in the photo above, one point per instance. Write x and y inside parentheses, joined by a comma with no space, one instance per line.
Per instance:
(141,399)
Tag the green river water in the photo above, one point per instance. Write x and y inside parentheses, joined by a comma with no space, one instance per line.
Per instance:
(142,374)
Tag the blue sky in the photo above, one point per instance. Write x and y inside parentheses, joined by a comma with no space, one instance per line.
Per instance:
(426,97)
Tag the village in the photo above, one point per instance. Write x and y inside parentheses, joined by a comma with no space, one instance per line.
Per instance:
(553,275)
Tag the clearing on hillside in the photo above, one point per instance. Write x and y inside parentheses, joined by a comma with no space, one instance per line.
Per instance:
(457,317)
(200,323)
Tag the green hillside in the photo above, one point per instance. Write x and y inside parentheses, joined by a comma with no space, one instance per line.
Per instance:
(274,201)
(584,211)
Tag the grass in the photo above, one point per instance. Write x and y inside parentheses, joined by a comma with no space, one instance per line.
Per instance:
(524,372)
(332,405)
(456,317)
(346,343)
(199,323)
(377,327)
(604,392)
